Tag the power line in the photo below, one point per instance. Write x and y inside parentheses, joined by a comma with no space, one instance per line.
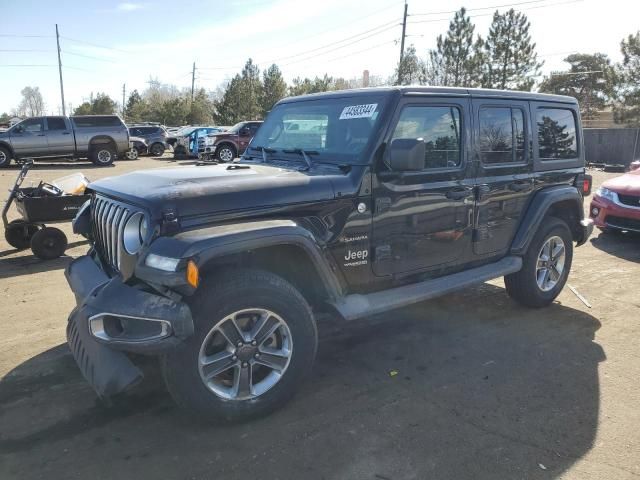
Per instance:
(22,50)
(95,45)
(89,57)
(476,9)
(25,65)
(489,14)
(11,35)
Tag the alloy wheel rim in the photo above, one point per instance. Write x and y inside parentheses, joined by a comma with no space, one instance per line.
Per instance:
(245,354)
(550,265)
(132,154)
(156,151)
(226,154)
(3,157)
(104,156)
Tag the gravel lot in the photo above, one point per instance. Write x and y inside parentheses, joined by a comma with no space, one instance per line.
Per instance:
(484,389)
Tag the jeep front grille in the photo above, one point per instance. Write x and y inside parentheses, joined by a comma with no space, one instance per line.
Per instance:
(108,218)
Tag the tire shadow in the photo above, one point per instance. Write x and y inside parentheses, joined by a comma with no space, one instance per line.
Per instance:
(466,386)
(624,245)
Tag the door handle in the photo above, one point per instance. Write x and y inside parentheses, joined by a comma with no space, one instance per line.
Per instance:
(459,194)
(66,133)
(520,186)
(40,135)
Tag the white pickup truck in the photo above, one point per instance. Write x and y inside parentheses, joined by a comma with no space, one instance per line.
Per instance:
(100,138)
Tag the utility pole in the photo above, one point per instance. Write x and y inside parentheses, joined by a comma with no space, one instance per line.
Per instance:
(193,80)
(64,112)
(404,31)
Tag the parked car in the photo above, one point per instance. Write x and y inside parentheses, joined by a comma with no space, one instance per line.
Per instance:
(101,138)
(189,138)
(138,147)
(406,193)
(155,136)
(616,204)
(227,145)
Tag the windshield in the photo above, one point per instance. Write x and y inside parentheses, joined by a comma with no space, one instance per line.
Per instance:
(333,128)
(236,128)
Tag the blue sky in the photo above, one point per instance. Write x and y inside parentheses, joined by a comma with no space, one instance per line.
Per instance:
(162,38)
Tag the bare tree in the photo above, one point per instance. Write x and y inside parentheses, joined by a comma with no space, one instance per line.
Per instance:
(32,104)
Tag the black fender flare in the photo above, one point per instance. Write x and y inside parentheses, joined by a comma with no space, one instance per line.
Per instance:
(206,244)
(538,209)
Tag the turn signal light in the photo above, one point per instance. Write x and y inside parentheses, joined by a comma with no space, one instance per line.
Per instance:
(193,276)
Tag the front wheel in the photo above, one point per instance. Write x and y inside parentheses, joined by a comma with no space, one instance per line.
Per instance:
(5,157)
(157,150)
(225,153)
(545,266)
(131,154)
(255,340)
(19,234)
(49,243)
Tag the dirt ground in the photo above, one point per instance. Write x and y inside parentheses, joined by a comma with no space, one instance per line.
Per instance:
(485,389)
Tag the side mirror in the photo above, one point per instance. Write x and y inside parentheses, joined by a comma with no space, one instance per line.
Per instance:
(407,154)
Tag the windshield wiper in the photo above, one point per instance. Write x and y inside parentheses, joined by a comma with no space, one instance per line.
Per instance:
(305,154)
(264,151)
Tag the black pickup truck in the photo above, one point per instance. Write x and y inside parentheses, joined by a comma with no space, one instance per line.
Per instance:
(380,198)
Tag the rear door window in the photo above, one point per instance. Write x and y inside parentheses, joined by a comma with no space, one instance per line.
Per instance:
(557,134)
(502,137)
(56,123)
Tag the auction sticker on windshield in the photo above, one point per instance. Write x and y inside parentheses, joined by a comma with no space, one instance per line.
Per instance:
(358,111)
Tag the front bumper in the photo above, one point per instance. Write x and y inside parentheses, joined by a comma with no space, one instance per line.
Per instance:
(613,215)
(111,318)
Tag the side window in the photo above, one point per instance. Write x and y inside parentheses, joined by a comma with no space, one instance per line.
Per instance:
(56,123)
(135,132)
(440,129)
(502,137)
(557,138)
(33,125)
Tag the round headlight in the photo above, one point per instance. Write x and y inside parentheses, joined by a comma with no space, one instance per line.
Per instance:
(135,232)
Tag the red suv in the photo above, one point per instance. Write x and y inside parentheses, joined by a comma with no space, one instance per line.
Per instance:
(616,204)
(226,146)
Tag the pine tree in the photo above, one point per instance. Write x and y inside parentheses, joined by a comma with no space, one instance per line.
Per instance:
(135,108)
(454,62)
(593,89)
(628,111)
(274,88)
(251,86)
(511,61)
(411,70)
(227,108)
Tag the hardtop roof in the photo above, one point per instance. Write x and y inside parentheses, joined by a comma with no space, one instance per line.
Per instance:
(444,91)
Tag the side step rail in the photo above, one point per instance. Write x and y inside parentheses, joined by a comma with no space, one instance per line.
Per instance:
(357,305)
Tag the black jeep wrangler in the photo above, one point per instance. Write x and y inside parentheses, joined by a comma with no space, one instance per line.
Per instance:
(351,203)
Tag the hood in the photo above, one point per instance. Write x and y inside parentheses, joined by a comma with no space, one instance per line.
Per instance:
(627,184)
(203,190)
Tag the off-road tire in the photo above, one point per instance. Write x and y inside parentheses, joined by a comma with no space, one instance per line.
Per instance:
(220,153)
(102,155)
(156,150)
(19,234)
(217,297)
(49,243)
(5,157)
(522,286)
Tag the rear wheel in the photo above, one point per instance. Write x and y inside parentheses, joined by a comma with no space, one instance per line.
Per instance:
(103,155)
(49,243)
(19,234)
(255,340)
(5,157)
(545,266)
